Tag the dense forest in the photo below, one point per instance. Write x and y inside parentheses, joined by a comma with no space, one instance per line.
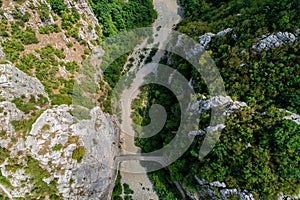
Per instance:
(258,150)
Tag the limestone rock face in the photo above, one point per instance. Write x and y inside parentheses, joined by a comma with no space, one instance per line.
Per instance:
(294,117)
(90,178)
(216,101)
(274,40)
(14,83)
(8,112)
(89,22)
(206,38)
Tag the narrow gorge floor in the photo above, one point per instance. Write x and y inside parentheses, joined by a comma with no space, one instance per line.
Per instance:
(168,16)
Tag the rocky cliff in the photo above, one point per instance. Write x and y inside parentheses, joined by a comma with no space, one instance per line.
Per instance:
(46,152)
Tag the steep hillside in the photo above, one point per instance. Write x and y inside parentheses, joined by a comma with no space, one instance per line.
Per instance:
(255,45)
(46,151)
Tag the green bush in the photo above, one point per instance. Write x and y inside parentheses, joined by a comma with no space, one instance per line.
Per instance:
(43,11)
(57,6)
(58,99)
(4,181)
(4,153)
(78,153)
(12,49)
(117,191)
(72,66)
(26,36)
(46,29)
(57,147)
(24,106)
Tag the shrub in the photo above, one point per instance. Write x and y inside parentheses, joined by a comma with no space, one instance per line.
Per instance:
(78,153)
(58,99)
(46,127)
(27,36)
(43,11)
(69,44)
(12,49)
(72,66)
(57,147)
(49,29)
(4,153)
(57,6)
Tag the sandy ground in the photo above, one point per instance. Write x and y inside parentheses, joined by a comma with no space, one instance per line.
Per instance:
(139,182)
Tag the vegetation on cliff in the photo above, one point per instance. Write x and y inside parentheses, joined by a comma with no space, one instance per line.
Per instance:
(258,150)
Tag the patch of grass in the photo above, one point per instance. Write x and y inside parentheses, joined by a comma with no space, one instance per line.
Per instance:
(40,188)
(11,49)
(43,11)
(127,189)
(4,181)
(78,153)
(118,188)
(47,29)
(26,36)
(25,125)
(4,153)
(46,127)
(57,147)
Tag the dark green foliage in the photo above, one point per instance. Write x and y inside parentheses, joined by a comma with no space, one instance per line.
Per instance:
(24,125)
(163,185)
(49,29)
(40,188)
(43,11)
(17,15)
(118,188)
(266,78)
(3,197)
(12,49)
(127,189)
(255,16)
(4,153)
(164,97)
(26,36)
(57,6)
(262,158)
(117,15)
(256,152)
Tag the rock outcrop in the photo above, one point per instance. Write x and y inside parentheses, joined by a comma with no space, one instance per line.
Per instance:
(216,101)
(206,38)
(15,83)
(294,117)
(88,20)
(274,40)
(90,178)
(224,190)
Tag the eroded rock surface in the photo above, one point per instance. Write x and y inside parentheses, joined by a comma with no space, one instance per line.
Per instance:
(274,40)
(90,178)
(15,83)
